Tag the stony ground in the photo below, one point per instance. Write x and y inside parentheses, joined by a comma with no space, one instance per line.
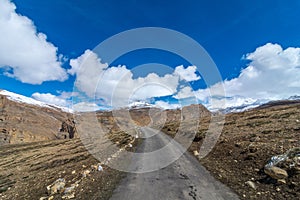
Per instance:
(249,139)
(27,169)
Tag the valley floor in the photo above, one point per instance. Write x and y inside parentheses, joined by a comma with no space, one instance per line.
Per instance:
(249,139)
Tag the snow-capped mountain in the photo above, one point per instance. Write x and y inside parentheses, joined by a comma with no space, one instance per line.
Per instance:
(242,107)
(295,97)
(140,104)
(258,103)
(232,105)
(27,100)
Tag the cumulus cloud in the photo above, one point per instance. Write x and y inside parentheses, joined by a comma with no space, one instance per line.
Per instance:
(116,86)
(166,105)
(51,99)
(85,107)
(273,73)
(151,89)
(188,74)
(88,69)
(184,92)
(26,54)
(217,103)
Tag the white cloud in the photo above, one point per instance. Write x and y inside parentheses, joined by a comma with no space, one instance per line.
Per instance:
(115,85)
(51,99)
(26,54)
(66,95)
(118,86)
(85,107)
(272,74)
(166,105)
(150,90)
(188,74)
(215,104)
(184,92)
(88,69)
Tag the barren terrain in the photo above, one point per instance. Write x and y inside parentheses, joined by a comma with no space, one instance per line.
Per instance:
(36,150)
(249,139)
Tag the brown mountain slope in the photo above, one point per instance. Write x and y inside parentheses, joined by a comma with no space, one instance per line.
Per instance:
(248,140)
(21,123)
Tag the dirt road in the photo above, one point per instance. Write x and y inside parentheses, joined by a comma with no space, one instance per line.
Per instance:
(183,179)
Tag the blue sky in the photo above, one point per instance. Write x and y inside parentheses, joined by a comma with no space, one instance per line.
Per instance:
(228,30)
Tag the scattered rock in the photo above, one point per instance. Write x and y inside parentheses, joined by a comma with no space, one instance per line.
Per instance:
(238,144)
(297,170)
(57,186)
(294,184)
(86,172)
(43,198)
(252,148)
(3,189)
(251,156)
(69,189)
(100,168)
(69,192)
(94,167)
(252,139)
(256,170)
(276,172)
(51,198)
(74,172)
(281,181)
(196,153)
(68,196)
(251,184)
(278,165)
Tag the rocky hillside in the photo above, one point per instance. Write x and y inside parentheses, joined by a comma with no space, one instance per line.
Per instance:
(258,152)
(25,120)
(22,122)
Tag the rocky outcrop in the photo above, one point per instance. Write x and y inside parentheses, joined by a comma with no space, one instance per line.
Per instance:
(278,166)
(21,122)
(67,130)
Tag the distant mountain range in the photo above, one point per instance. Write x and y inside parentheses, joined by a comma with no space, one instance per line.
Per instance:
(138,104)
(27,100)
(295,97)
(243,107)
